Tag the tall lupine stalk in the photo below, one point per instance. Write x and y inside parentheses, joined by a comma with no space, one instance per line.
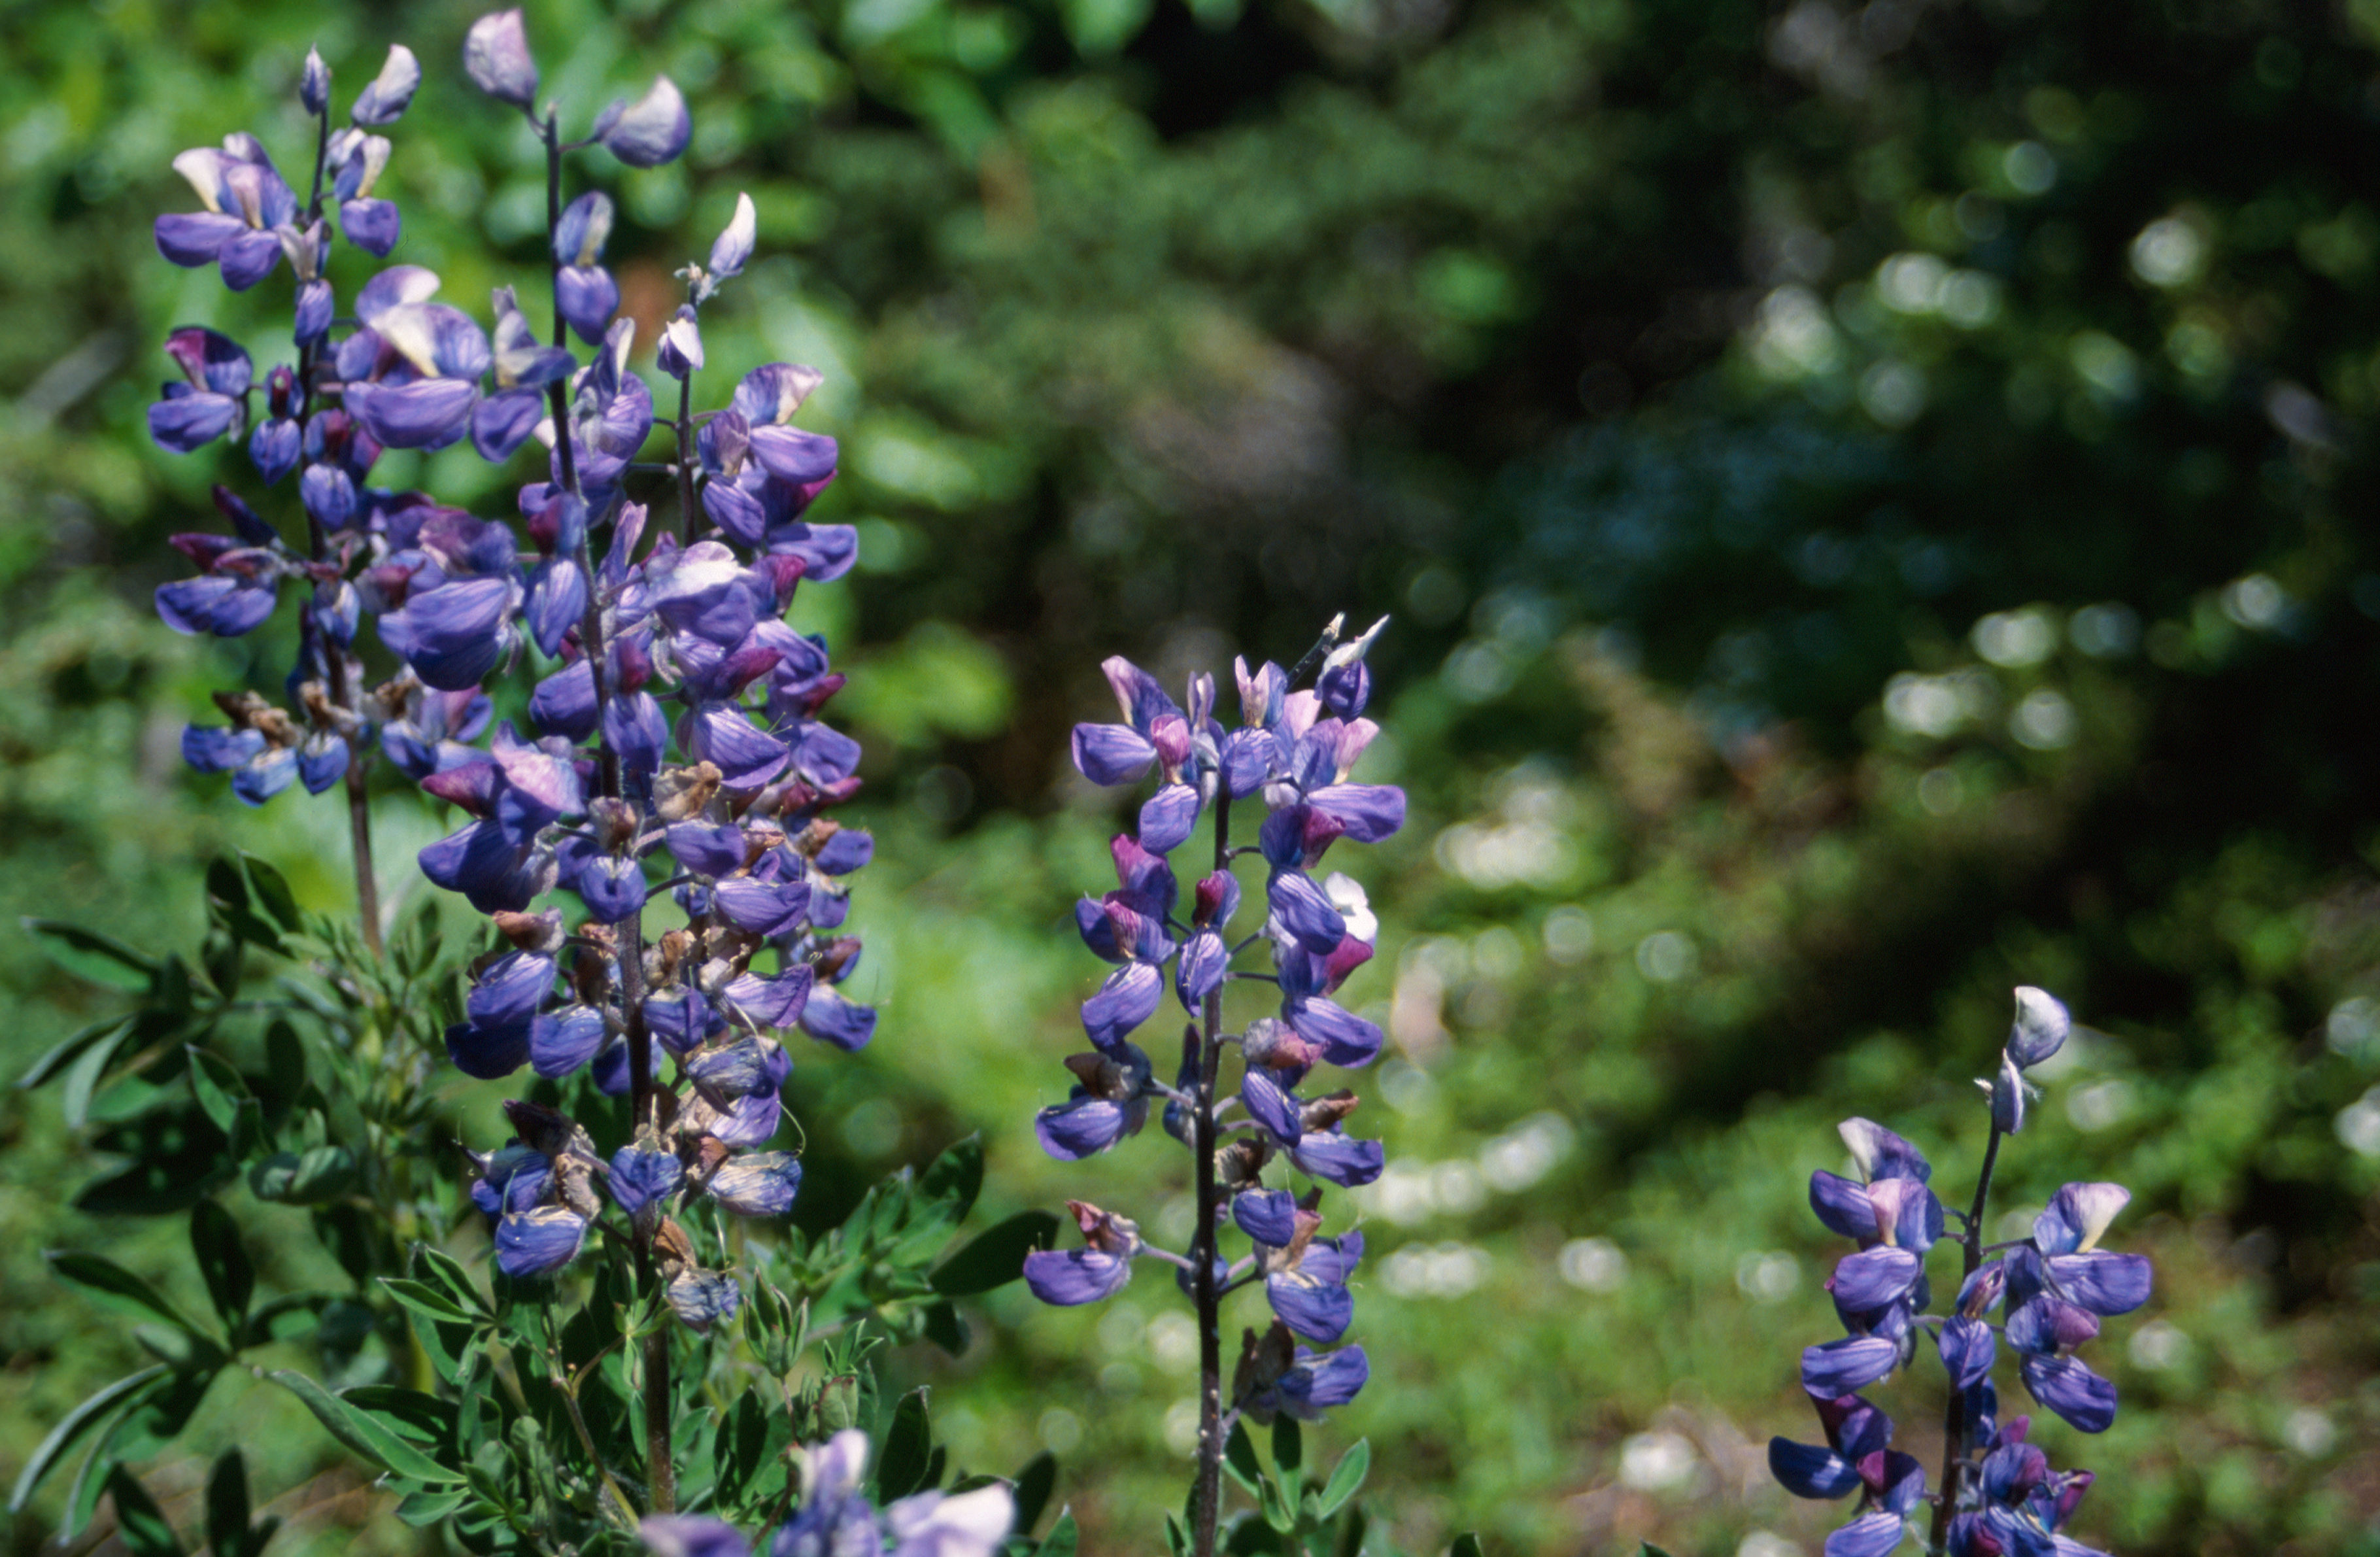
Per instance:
(1297,749)
(1998,1497)
(608,800)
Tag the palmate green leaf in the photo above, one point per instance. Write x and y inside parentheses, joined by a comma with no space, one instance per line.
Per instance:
(113,1287)
(88,954)
(63,1052)
(995,1256)
(902,1464)
(76,1426)
(139,1524)
(364,1431)
(1347,1477)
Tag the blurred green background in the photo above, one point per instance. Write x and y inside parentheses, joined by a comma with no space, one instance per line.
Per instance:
(1870,498)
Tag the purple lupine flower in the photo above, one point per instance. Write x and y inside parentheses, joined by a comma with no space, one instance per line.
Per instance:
(729,251)
(235,595)
(703,1299)
(213,402)
(1305,1277)
(1109,1102)
(537,1242)
(1892,1487)
(2040,1028)
(385,100)
(758,1184)
(496,57)
(1097,1270)
(422,372)
(314,82)
(2024,1502)
(584,289)
(247,204)
(1310,1384)
(1344,685)
(835,1518)
(1854,1429)
(358,159)
(650,131)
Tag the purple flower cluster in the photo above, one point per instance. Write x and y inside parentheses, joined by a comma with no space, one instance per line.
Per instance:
(1298,750)
(446,588)
(2053,1288)
(675,743)
(835,1518)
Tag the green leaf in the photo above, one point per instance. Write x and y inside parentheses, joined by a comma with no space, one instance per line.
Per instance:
(231,1280)
(112,1286)
(228,1504)
(1353,1528)
(1647,1548)
(273,895)
(1240,1459)
(159,1416)
(78,1425)
(1347,1477)
(184,1351)
(83,1075)
(313,1177)
(1033,1485)
(218,1088)
(422,1508)
(363,1432)
(1064,1536)
(908,1444)
(88,954)
(953,1180)
(995,1256)
(139,1524)
(1465,1545)
(446,1272)
(1280,1510)
(59,1053)
(237,909)
(1288,1447)
(945,1328)
(423,1298)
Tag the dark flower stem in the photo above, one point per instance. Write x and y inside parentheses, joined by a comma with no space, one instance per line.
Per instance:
(1207,1491)
(1955,1419)
(334,659)
(660,1469)
(685,458)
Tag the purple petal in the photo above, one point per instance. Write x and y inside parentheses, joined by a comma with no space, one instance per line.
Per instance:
(196,237)
(791,455)
(1302,908)
(561,1042)
(1317,1311)
(1112,754)
(248,258)
(1269,1216)
(746,757)
(1875,1278)
(425,414)
(564,703)
(2103,1282)
(1870,1535)
(1167,817)
(770,1003)
(191,422)
(1967,1349)
(1272,1107)
(511,991)
(654,130)
(1086,1126)
(832,1020)
(1809,1470)
(1344,1038)
(2086,1401)
(268,775)
(640,1178)
(758,1184)
(1842,1367)
(487,1052)
(1129,997)
(215,748)
(557,599)
(1339,1158)
(1075,1276)
(537,1243)
(845,852)
(590,297)
(496,57)
(613,888)
(371,224)
(1367,813)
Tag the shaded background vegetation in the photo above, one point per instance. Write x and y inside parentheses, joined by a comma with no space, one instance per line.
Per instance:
(1874,504)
